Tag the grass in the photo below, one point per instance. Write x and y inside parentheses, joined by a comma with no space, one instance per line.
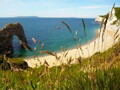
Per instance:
(101,71)
(10,63)
(117,12)
(98,72)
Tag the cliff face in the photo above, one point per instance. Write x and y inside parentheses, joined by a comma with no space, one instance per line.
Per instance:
(113,22)
(6,37)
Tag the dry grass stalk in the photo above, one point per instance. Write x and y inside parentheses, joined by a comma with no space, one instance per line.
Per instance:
(83,22)
(49,53)
(101,25)
(74,38)
(116,37)
(34,40)
(105,24)
(63,49)
(70,60)
(26,47)
(112,10)
(79,60)
(106,20)
(42,45)
(46,63)
(66,54)
(76,32)
(116,33)
(67,26)
(84,27)
(35,48)
(81,49)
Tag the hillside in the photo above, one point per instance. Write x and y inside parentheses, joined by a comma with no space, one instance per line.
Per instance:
(101,71)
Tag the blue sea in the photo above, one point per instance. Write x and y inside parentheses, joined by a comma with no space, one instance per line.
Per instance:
(45,31)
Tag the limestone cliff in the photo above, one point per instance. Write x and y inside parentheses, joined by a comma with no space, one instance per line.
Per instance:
(113,22)
(6,37)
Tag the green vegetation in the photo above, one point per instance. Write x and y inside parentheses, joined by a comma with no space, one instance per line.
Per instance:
(101,71)
(103,16)
(117,12)
(114,22)
(9,63)
(98,72)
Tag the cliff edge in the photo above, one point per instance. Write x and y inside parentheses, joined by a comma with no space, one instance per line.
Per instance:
(113,22)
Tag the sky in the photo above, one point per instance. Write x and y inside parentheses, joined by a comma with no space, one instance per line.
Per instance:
(56,8)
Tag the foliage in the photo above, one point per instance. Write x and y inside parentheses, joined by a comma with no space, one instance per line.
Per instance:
(117,12)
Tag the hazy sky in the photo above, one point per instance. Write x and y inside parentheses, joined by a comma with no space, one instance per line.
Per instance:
(56,8)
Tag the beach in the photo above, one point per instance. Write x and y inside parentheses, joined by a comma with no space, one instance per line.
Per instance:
(87,50)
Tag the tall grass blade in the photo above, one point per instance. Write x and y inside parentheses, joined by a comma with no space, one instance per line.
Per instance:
(116,37)
(84,27)
(112,10)
(101,25)
(49,53)
(34,40)
(67,26)
(105,24)
(116,33)
(32,85)
(26,47)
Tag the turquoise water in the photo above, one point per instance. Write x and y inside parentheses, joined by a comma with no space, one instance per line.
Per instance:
(45,31)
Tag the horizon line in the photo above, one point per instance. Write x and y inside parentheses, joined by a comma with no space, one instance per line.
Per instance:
(43,17)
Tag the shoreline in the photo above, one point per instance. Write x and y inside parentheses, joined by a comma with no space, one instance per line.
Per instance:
(96,36)
(88,50)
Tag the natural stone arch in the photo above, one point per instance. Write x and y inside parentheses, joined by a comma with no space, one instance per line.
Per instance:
(6,37)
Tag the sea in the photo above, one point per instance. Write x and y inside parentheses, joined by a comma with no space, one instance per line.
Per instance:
(52,33)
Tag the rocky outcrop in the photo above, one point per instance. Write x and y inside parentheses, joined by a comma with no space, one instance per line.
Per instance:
(99,19)
(6,38)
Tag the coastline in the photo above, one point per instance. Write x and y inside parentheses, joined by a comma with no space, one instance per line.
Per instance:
(96,35)
(88,50)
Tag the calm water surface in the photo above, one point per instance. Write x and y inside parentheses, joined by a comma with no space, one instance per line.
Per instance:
(45,31)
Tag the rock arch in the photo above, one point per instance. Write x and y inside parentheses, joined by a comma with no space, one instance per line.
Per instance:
(6,37)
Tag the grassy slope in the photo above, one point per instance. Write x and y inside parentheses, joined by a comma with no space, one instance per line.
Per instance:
(101,71)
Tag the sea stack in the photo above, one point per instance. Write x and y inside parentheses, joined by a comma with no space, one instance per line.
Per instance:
(6,37)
